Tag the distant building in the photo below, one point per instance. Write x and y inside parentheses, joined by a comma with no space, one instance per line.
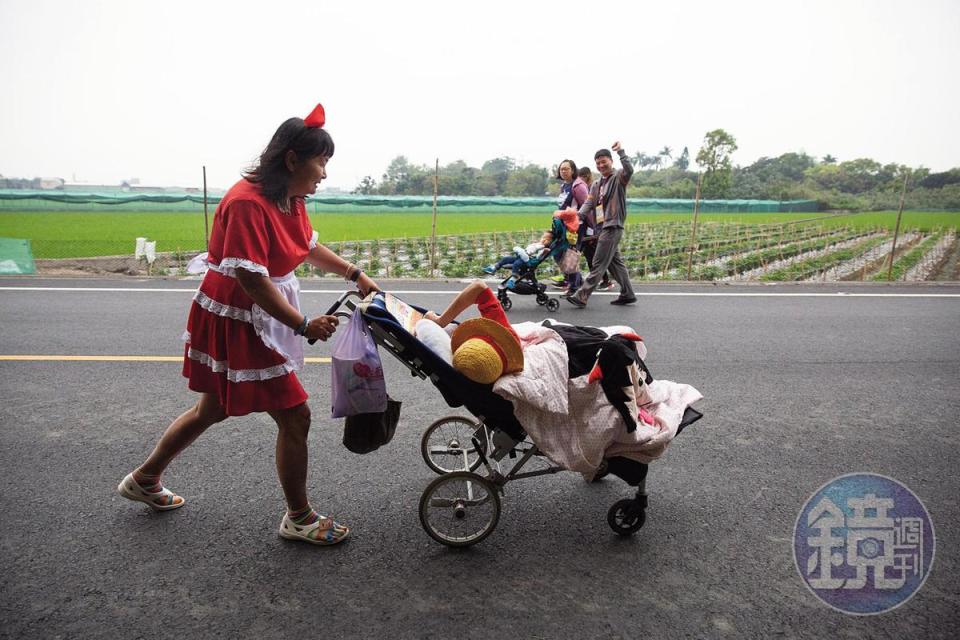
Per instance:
(88,187)
(129,186)
(134,186)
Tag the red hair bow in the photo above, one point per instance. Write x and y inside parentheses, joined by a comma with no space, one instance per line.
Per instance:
(317,118)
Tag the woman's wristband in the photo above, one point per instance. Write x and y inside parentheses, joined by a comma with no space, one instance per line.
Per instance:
(302,328)
(356,274)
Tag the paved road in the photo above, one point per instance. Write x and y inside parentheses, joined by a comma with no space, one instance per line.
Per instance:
(799,388)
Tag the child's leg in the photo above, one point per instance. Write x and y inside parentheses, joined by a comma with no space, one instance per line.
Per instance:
(499,264)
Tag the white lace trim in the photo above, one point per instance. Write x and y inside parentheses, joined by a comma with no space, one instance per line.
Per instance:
(220,309)
(313,240)
(239,375)
(286,343)
(274,333)
(229,266)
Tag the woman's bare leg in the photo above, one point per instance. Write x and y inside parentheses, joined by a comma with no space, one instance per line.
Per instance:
(293,426)
(180,434)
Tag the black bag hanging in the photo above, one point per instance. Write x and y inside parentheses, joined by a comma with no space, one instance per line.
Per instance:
(366,432)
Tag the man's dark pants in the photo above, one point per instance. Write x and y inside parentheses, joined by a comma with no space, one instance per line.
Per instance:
(607,257)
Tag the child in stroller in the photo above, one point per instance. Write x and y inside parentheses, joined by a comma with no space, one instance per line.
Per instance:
(525,261)
(521,256)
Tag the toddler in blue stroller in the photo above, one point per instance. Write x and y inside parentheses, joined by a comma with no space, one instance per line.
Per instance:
(524,263)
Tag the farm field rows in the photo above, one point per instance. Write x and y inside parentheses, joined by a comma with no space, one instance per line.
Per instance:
(748,246)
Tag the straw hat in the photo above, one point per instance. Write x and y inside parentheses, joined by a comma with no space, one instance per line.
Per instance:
(484,350)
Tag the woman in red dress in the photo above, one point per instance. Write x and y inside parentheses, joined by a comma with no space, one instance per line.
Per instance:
(245,331)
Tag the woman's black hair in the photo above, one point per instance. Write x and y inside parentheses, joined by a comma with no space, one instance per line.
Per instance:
(271,171)
(573,167)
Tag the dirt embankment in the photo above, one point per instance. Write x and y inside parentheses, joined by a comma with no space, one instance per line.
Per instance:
(165,264)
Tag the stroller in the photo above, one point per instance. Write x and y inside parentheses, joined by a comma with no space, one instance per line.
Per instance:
(525,279)
(461,507)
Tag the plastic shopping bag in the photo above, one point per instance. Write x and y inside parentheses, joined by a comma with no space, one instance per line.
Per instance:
(357,385)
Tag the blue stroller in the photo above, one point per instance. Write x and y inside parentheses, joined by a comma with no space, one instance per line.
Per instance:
(525,282)
(461,507)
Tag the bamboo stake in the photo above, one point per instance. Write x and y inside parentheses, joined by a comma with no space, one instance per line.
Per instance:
(206,224)
(693,235)
(433,233)
(896,231)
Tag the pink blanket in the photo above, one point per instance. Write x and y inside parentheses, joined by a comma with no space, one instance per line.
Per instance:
(572,421)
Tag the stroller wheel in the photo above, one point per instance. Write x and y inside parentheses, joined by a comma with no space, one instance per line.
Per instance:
(626,517)
(506,303)
(459,509)
(553,304)
(447,446)
(542,299)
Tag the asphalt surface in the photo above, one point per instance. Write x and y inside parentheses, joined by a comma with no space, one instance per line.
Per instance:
(799,389)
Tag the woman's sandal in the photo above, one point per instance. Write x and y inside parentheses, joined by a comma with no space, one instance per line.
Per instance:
(162,500)
(325,531)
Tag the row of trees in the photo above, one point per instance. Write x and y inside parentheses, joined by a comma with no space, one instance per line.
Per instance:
(859,184)
(497,177)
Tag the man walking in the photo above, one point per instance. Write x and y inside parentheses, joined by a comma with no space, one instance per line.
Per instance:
(608,202)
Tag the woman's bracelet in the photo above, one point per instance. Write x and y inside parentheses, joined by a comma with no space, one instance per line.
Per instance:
(302,329)
(351,269)
(356,274)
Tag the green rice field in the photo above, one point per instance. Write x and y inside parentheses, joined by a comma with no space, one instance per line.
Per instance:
(87,234)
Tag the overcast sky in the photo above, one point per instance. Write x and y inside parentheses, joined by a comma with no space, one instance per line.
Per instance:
(110,90)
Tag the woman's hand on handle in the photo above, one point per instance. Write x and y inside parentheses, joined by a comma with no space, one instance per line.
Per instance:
(321,328)
(366,284)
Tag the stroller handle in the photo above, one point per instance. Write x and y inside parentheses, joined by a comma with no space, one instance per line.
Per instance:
(336,305)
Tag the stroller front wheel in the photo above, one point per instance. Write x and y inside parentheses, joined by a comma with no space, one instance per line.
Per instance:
(460,509)
(506,303)
(553,304)
(626,517)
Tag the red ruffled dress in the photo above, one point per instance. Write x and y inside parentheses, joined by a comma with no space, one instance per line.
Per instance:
(233,348)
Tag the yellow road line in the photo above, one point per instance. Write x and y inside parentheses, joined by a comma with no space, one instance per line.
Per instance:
(52,358)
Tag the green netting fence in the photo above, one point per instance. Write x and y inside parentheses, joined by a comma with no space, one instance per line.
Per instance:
(57,200)
(16,257)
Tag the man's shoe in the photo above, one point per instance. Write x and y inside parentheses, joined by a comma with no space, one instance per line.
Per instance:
(623,301)
(604,286)
(575,301)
